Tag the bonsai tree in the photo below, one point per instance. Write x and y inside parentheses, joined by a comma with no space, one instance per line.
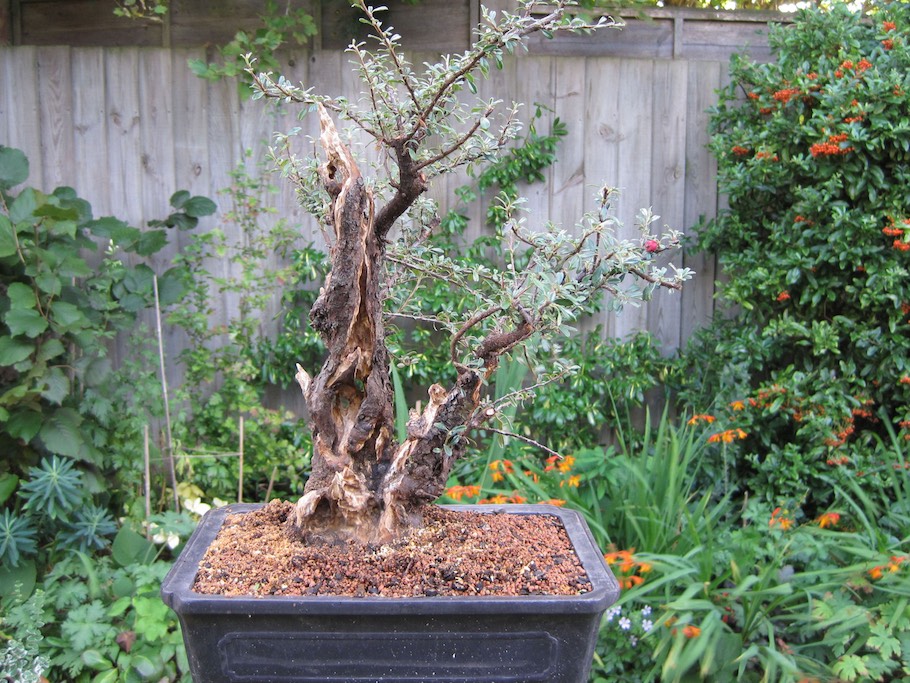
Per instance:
(365,484)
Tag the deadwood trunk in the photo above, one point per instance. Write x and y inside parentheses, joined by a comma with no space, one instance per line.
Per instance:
(363,484)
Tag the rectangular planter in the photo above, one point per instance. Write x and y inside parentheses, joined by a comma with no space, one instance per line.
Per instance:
(526,639)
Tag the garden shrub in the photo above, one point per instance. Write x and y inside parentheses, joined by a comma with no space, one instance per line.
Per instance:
(226,356)
(78,580)
(813,361)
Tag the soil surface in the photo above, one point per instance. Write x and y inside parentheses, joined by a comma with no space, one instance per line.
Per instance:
(454,553)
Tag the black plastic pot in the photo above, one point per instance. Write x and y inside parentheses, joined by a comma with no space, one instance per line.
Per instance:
(545,639)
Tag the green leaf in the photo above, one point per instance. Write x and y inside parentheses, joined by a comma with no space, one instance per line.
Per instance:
(131,548)
(7,238)
(50,349)
(179,198)
(8,483)
(56,386)
(67,317)
(24,206)
(108,227)
(109,676)
(199,206)
(48,281)
(884,642)
(24,424)
(14,350)
(61,434)
(93,659)
(21,295)
(151,242)
(146,667)
(25,321)
(85,626)
(13,167)
(170,287)
(850,667)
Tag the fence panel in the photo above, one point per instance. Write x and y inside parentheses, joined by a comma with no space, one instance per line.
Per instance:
(127,126)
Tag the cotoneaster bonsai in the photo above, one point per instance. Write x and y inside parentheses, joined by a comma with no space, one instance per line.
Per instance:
(367,488)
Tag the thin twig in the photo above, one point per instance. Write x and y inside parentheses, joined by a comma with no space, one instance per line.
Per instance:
(520,437)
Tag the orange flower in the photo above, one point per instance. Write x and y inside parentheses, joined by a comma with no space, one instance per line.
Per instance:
(695,419)
(828,519)
(876,573)
(900,245)
(565,465)
(459,492)
(628,582)
(690,631)
(905,379)
(736,406)
(558,502)
(888,26)
(727,436)
(574,481)
(515,498)
(777,519)
(783,296)
(498,499)
(739,151)
(888,44)
(783,96)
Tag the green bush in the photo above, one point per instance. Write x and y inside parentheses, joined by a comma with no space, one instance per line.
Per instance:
(78,583)
(813,361)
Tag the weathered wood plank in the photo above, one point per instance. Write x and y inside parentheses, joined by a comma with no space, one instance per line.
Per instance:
(636,116)
(156,111)
(90,139)
(56,105)
(639,38)
(569,193)
(668,184)
(193,23)
(449,19)
(24,129)
(82,23)
(601,161)
(124,121)
(701,195)
(535,87)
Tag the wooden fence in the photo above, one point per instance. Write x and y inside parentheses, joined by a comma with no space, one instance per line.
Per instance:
(127,126)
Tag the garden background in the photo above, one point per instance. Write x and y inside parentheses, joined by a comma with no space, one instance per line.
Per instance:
(759,524)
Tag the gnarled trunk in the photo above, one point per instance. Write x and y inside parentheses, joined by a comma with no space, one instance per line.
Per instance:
(363,485)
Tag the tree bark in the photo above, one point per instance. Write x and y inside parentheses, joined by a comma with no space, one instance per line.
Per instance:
(350,400)
(364,486)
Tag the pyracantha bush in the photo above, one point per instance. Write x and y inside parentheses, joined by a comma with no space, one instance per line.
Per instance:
(813,155)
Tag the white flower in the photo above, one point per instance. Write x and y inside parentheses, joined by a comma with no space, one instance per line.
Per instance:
(633,641)
(646,610)
(612,612)
(196,506)
(172,539)
(647,625)
(625,623)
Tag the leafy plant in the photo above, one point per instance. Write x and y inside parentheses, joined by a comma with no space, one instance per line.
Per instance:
(290,26)
(812,152)
(223,363)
